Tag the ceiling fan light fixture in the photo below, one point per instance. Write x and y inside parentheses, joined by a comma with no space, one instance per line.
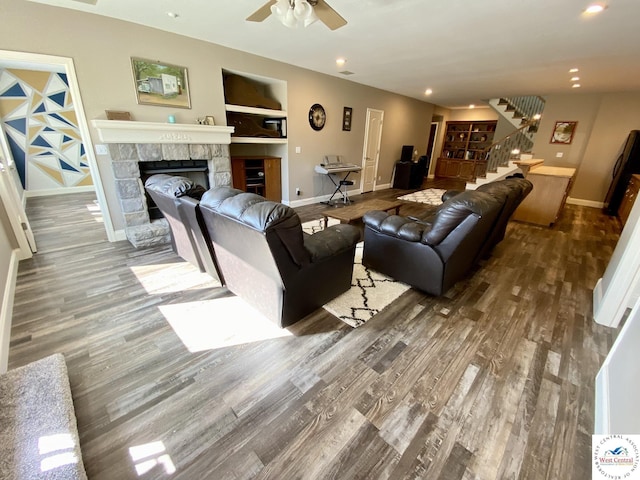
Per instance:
(294,13)
(280,8)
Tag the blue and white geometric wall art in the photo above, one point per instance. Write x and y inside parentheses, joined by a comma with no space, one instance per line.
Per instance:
(42,130)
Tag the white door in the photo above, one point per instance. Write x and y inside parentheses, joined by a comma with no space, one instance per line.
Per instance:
(10,198)
(617,386)
(371,150)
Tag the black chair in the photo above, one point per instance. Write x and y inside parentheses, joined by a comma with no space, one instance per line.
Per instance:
(267,260)
(177,198)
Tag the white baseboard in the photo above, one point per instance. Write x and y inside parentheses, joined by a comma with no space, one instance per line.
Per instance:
(324,198)
(58,191)
(6,310)
(584,203)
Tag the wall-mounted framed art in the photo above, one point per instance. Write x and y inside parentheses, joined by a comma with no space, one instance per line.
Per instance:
(160,84)
(563,132)
(347,114)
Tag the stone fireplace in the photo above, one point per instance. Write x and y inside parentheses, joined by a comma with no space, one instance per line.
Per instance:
(133,142)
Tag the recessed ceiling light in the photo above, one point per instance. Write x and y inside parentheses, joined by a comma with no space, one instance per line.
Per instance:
(428,91)
(575,79)
(575,85)
(173,14)
(595,8)
(472,106)
(341,61)
(573,70)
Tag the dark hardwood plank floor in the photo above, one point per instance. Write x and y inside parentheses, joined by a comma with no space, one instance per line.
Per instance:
(494,380)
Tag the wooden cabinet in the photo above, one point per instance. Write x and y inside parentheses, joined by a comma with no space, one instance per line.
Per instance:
(551,186)
(630,195)
(464,148)
(258,174)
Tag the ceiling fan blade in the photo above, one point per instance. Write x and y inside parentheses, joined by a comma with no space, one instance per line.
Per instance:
(328,15)
(262,13)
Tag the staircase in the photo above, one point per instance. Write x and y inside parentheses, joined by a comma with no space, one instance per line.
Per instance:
(523,113)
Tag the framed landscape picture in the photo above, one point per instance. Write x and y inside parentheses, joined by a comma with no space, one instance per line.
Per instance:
(160,84)
(563,132)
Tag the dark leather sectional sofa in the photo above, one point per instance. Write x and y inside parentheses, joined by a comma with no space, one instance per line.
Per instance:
(258,250)
(256,247)
(432,255)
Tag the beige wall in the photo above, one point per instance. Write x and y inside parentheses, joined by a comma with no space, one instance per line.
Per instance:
(102,49)
(470,114)
(604,122)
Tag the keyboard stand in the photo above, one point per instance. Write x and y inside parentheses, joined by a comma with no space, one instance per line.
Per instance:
(341,188)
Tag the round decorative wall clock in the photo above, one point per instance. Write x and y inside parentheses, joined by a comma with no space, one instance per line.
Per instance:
(317,117)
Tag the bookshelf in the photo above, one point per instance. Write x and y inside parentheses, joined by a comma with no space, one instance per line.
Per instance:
(465,148)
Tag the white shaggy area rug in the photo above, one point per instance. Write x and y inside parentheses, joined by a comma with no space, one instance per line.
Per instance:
(370,291)
(432,196)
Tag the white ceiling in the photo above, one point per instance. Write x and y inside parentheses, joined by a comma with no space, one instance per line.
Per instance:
(465,50)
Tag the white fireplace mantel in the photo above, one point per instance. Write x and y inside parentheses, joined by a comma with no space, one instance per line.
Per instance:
(123,131)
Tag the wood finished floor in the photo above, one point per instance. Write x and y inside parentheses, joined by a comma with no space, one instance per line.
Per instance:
(495,380)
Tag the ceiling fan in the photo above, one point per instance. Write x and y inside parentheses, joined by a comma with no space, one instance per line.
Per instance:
(299,12)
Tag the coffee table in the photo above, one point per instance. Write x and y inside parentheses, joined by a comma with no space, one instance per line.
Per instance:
(355,212)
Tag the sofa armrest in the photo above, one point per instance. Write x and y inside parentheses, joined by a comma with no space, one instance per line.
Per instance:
(331,241)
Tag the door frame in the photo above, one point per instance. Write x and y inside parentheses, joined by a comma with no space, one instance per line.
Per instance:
(13,206)
(24,60)
(432,163)
(364,147)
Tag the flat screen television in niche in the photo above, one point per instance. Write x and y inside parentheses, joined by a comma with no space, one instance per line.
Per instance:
(407,153)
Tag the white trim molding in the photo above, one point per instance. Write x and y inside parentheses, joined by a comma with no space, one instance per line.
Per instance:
(584,203)
(58,191)
(6,310)
(123,131)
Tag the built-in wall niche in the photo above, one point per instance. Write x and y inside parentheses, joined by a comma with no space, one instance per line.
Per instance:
(256,107)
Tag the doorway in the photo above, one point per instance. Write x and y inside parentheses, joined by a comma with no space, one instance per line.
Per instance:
(431,143)
(38,62)
(371,150)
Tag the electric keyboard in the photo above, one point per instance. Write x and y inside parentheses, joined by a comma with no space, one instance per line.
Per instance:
(328,168)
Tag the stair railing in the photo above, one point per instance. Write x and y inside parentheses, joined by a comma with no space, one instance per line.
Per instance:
(525,107)
(501,151)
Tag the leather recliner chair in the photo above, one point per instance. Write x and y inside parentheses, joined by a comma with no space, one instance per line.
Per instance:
(267,260)
(177,198)
(430,255)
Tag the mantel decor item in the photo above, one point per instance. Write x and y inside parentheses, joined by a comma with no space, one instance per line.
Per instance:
(160,84)
(117,115)
(346,118)
(563,132)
